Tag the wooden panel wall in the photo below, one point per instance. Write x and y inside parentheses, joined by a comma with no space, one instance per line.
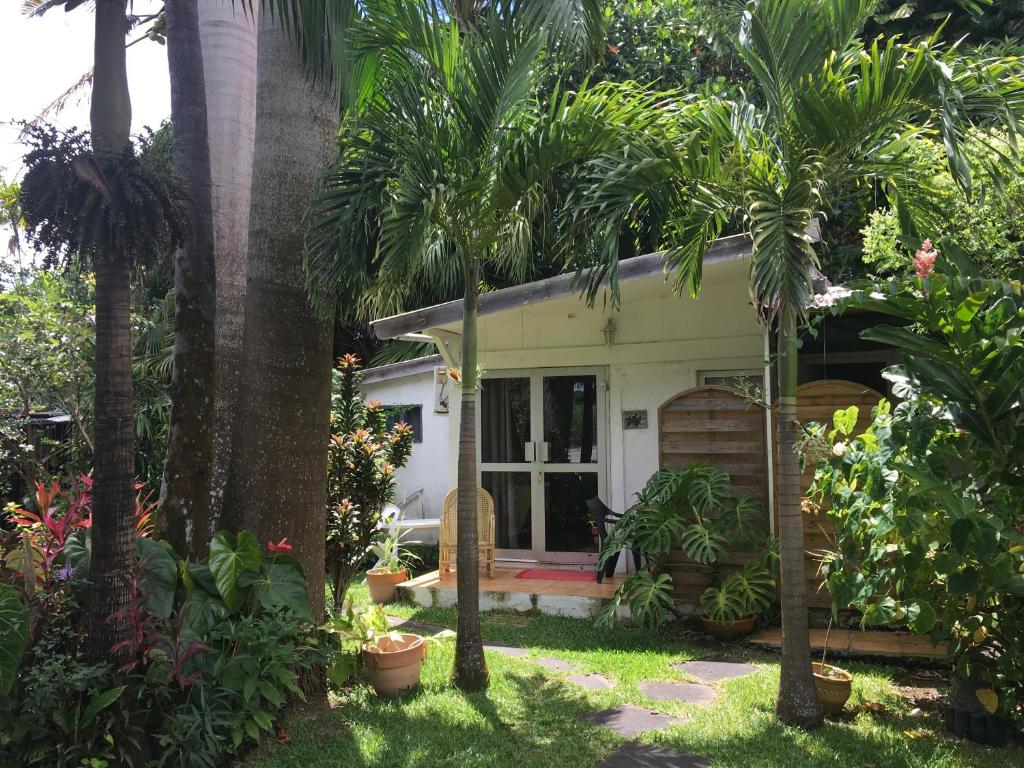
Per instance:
(714,424)
(718,425)
(818,401)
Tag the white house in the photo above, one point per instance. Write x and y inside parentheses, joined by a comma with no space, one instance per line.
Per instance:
(578,402)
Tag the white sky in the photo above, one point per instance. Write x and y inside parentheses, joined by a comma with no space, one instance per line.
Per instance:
(47,54)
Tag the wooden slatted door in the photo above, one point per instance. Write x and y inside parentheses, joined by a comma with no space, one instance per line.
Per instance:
(817,401)
(713,424)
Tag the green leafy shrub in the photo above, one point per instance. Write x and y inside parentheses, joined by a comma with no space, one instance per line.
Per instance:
(214,653)
(927,502)
(692,509)
(363,456)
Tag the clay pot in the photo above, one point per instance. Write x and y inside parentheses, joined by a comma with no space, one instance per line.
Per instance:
(833,688)
(729,630)
(393,663)
(382,583)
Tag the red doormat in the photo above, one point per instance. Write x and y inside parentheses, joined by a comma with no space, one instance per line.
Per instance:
(554,575)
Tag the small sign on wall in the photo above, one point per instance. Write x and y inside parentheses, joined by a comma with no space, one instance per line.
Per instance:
(634,419)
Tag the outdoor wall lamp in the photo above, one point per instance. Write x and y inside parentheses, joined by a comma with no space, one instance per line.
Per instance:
(609,332)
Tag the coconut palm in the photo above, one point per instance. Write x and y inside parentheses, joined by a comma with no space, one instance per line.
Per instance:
(447,167)
(831,116)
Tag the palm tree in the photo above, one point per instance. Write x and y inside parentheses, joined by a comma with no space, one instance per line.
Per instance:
(229,67)
(450,166)
(97,201)
(832,115)
(184,518)
(277,484)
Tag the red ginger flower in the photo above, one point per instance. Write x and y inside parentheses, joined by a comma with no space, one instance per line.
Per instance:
(924,259)
(281,546)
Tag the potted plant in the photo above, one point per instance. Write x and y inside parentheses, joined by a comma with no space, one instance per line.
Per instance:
(392,568)
(392,660)
(832,684)
(692,509)
(730,607)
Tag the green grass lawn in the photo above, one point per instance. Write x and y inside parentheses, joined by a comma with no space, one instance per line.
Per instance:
(529,718)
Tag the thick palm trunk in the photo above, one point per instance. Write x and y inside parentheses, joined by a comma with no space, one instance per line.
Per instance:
(278,479)
(229,58)
(470,672)
(112,518)
(184,518)
(797,703)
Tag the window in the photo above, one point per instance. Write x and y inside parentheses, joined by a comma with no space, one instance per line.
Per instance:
(409,414)
(750,381)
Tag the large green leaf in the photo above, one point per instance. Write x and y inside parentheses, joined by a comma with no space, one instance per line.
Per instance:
(78,552)
(229,558)
(13,635)
(278,586)
(158,576)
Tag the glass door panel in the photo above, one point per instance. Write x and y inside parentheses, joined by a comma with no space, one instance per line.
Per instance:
(504,420)
(567,522)
(513,508)
(570,419)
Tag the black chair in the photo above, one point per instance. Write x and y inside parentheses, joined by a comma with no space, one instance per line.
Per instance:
(604,517)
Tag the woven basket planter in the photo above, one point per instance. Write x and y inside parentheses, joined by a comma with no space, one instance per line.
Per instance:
(833,688)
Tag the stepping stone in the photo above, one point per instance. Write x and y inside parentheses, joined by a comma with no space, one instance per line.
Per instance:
(511,651)
(406,625)
(688,693)
(445,634)
(591,682)
(628,721)
(715,671)
(647,756)
(557,665)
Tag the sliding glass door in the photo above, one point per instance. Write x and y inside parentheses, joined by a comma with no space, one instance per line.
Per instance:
(542,456)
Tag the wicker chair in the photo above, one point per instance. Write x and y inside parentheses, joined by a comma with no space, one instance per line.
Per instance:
(449,531)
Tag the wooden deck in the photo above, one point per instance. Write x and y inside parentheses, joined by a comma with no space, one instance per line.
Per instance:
(846,642)
(578,599)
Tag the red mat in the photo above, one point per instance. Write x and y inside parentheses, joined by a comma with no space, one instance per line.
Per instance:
(554,575)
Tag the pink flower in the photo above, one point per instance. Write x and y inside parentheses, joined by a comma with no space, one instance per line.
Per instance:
(924,259)
(281,546)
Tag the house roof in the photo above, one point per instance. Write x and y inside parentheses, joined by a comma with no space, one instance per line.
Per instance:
(398,370)
(649,265)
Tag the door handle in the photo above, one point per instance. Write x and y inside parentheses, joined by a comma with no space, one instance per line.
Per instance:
(545,451)
(530,451)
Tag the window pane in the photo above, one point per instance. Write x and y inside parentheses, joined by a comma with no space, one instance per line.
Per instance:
(504,420)
(570,419)
(568,526)
(512,508)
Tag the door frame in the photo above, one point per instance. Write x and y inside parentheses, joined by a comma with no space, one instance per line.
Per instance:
(536,468)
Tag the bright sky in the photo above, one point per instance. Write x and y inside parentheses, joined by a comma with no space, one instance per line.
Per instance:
(47,54)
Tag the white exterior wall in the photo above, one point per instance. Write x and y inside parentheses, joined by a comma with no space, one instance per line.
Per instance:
(662,342)
(427,467)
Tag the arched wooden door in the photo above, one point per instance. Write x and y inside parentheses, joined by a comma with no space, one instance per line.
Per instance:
(718,425)
(715,424)
(817,401)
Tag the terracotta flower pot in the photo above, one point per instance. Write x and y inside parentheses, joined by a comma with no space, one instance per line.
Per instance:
(833,686)
(382,583)
(729,630)
(393,663)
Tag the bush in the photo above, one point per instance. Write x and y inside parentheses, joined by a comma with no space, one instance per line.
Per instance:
(215,650)
(927,502)
(362,458)
(692,509)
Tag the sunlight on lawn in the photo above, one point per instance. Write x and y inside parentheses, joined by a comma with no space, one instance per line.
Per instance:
(529,718)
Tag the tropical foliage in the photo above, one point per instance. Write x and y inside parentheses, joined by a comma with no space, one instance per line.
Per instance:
(692,510)
(363,456)
(927,501)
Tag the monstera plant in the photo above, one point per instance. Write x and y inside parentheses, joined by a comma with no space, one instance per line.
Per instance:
(692,509)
